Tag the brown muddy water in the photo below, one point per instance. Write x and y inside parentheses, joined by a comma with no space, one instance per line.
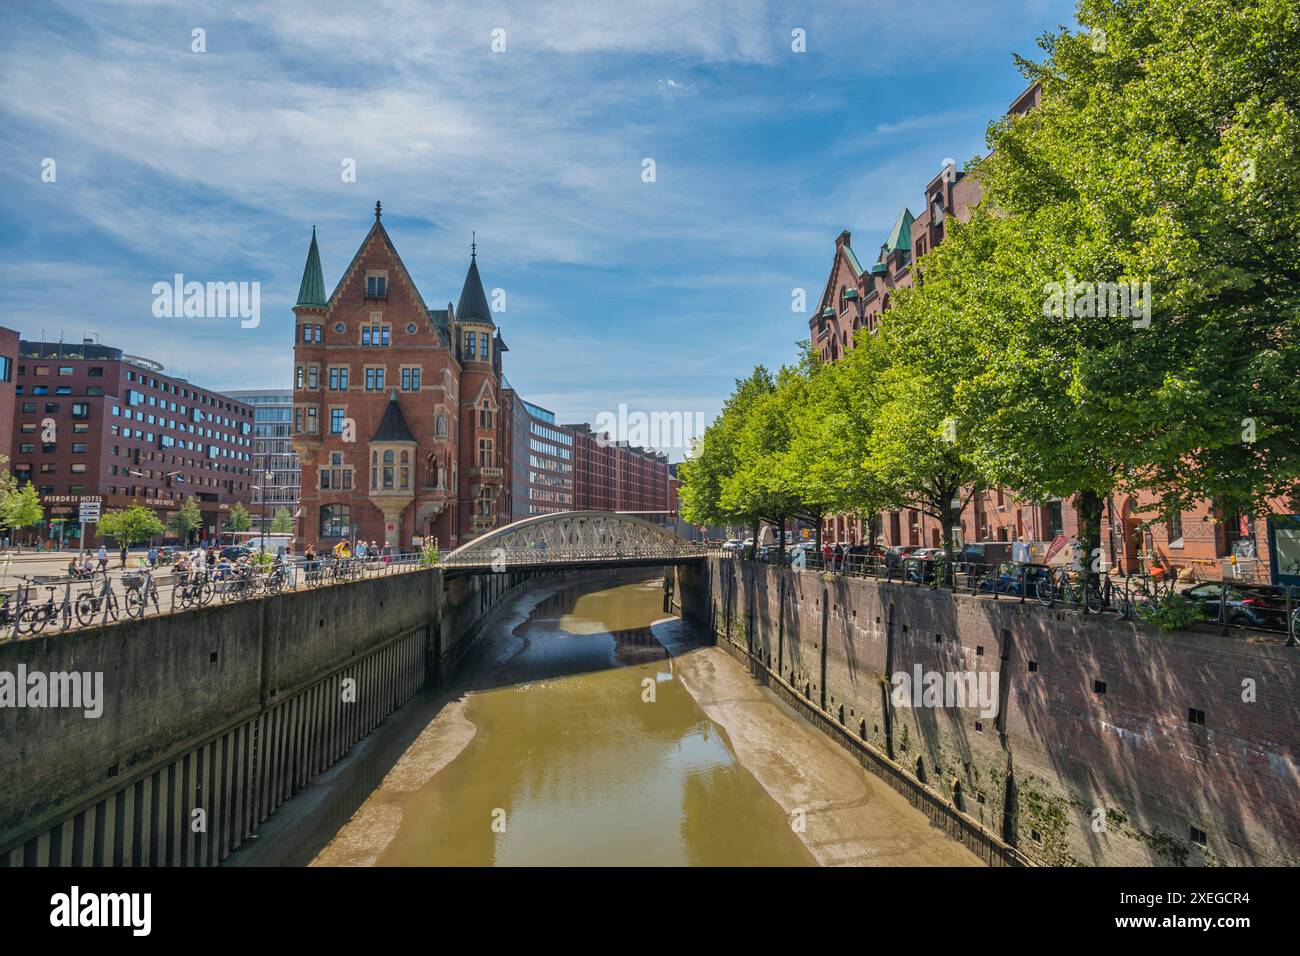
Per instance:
(581,735)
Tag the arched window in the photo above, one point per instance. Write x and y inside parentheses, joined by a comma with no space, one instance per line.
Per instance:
(388,469)
(335,521)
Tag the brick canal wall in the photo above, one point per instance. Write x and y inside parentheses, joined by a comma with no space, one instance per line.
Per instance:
(1092,757)
(228,710)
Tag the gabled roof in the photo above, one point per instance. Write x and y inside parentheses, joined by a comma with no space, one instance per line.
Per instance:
(393,427)
(473,304)
(311,293)
(401,266)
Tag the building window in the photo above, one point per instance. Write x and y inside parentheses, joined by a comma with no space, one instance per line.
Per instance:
(405,472)
(485,497)
(483,346)
(485,416)
(411,379)
(335,521)
(336,421)
(338,378)
(469,345)
(374,379)
(311,421)
(485,452)
(1174,529)
(312,379)
(376,285)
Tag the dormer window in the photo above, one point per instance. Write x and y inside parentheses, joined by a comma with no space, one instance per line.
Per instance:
(376,285)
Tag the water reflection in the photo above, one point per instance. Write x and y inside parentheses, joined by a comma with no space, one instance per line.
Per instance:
(576,764)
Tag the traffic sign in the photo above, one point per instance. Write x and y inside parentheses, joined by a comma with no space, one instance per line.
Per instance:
(89,511)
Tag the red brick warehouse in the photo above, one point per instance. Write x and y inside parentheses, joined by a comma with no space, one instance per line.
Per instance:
(398,413)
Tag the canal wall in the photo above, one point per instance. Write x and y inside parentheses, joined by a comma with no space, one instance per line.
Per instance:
(212,718)
(1110,744)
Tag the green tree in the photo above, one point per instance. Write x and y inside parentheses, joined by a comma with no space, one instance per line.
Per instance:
(186,519)
(282,521)
(128,526)
(708,493)
(1166,150)
(239,518)
(20,507)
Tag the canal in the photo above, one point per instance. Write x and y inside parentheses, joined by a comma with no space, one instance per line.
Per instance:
(592,729)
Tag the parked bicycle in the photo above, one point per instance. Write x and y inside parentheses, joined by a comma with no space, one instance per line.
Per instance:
(1073,588)
(194,589)
(33,618)
(98,602)
(141,591)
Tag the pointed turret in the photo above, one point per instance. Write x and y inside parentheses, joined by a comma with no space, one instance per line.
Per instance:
(311,293)
(473,304)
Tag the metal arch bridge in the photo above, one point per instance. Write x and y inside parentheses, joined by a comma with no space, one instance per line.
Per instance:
(573,539)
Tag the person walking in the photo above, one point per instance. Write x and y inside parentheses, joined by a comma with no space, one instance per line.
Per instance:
(153,556)
(102,555)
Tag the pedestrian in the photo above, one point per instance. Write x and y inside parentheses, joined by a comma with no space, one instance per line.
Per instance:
(123,554)
(827,552)
(153,556)
(102,554)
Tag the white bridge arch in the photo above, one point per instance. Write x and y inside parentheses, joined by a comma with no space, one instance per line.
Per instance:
(573,538)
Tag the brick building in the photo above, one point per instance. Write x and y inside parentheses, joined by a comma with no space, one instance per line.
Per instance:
(617,476)
(399,421)
(8,371)
(1206,540)
(94,424)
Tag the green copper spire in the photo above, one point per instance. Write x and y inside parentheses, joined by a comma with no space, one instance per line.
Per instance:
(900,238)
(311,294)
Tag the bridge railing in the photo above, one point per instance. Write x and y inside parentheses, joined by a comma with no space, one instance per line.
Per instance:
(503,559)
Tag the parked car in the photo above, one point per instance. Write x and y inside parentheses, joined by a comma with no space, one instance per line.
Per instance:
(1248,605)
(984,554)
(732,545)
(234,552)
(920,564)
(1007,577)
(895,554)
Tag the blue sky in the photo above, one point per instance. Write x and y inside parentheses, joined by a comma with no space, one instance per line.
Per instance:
(658,295)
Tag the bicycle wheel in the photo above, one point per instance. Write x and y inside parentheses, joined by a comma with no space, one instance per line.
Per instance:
(1093,597)
(86,608)
(1044,591)
(32,619)
(135,602)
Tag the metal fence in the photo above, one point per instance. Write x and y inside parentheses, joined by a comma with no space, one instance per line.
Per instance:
(33,605)
(1231,605)
(505,559)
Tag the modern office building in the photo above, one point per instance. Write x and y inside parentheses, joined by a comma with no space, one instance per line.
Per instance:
(542,480)
(275,472)
(92,423)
